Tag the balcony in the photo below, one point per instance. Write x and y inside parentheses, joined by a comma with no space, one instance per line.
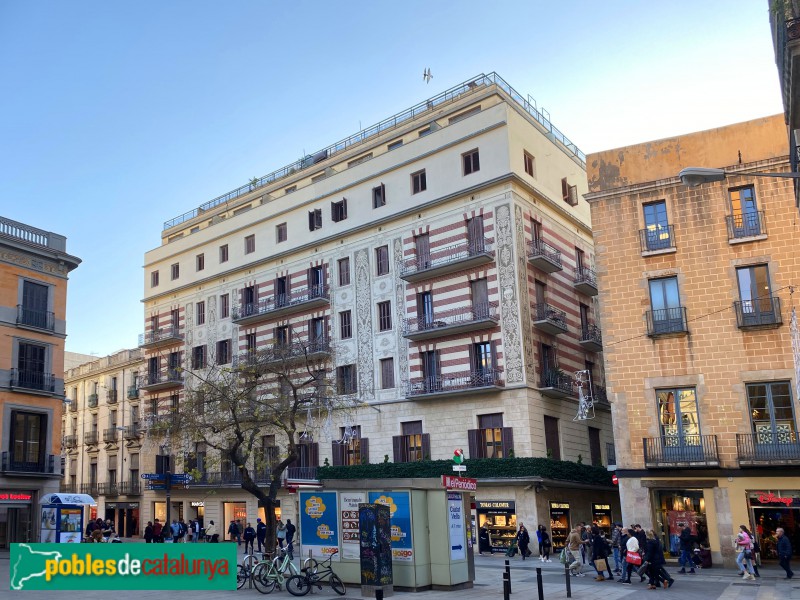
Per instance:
(161,380)
(70,441)
(599,394)
(315,350)
(90,488)
(111,435)
(72,405)
(91,438)
(761,313)
(35,319)
(611,456)
(667,321)
(132,432)
(91,401)
(746,227)
(166,336)
(768,448)
(585,281)
(296,474)
(133,392)
(129,488)
(448,259)
(110,489)
(461,384)
(555,384)
(548,319)
(544,257)
(453,321)
(69,488)
(658,240)
(34,381)
(316,296)
(46,465)
(668,452)
(223,478)
(111,396)
(591,339)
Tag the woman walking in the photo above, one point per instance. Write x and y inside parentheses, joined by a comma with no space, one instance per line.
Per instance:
(523,541)
(631,550)
(544,543)
(744,558)
(600,554)
(654,556)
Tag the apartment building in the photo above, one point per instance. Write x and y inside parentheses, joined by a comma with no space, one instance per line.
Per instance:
(440,265)
(34,268)
(102,437)
(696,298)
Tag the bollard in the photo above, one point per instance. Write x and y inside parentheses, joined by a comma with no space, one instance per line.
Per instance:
(378,593)
(508,574)
(569,583)
(539,587)
(506,586)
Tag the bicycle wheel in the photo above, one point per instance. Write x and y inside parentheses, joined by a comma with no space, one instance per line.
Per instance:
(263,578)
(242,574)
(337,584)
(297,585)
(310,565)
(249,561)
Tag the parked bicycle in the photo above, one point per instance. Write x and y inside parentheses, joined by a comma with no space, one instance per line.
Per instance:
(314,573)
(269,574)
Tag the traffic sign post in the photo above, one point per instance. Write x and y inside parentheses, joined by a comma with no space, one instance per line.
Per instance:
(152,476)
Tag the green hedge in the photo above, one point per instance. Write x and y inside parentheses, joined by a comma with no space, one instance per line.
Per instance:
(480,468)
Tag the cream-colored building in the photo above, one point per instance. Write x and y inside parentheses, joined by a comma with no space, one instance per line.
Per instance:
(696,298)
(440,262)
(103,437)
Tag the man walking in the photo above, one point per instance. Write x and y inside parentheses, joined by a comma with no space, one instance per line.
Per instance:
(290,531)
(687,544)
(784,552)
(261,534)
(574,553)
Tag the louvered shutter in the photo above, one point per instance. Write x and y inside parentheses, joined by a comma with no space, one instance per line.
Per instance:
(365,450)
(313,458)
(399,446)
(311,221)
(474,441)
(337,454)
(507,441)
(426,446)
(344,208)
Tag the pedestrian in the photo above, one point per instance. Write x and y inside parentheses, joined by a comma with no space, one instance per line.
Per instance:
(157,539)
(573,547)
(600,552)
(175,529)
(197,530)
(212,535)
(616,534)
(148,533)
(484,540)
(281,533)
(261,534)
(545,544)
(687,547)
(290,531)
(654,557)
(784,548)
(744,558)
(239,530)
(249,538)
(183,531)
(584,533)
(631,551)
(233,531)
(523,541)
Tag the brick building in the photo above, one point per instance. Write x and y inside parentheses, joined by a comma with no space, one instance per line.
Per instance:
(695,302)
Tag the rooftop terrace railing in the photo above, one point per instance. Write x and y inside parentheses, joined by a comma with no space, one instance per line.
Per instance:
(32,235)
(387,124)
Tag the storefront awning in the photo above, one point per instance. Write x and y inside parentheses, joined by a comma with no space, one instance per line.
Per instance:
(68,499)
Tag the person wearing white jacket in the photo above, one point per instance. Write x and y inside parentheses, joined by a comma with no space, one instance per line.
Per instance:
(632,545)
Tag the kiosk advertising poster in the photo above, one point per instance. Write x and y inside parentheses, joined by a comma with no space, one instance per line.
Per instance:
(348,504)
(399,504)
(318,523)
(455,508)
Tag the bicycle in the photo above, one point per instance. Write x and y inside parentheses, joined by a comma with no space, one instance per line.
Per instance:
(313,573)
(268,574)
(245,570)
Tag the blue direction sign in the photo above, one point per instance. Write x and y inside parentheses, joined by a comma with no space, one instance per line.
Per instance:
(179,477)
(153,476)
(157,486)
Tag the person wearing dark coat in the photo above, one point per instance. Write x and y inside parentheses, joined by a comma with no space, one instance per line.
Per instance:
(249,538)
(261,534)
(654,556)
(599,547)
(148,533)
(484,541)
(545,544)
(784,549)
(687,544)
(523,541)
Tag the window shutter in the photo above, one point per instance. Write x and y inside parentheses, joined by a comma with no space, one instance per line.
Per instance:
(507,441)
(365,450)
(344,208)
(334,217)
(473,439)
(398,448)
(383,193)
(426,446)
(311,221)
(473,361)
(313,454)
(337,454)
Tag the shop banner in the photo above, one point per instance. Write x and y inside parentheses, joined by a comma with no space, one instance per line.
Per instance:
(123,567)
(318,524)
(678,519)
(399,504)
(348,504)
(455,508)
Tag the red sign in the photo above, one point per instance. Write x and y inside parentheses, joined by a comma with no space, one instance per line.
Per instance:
(459,483)
(615,479)
(15,496)
(766,498)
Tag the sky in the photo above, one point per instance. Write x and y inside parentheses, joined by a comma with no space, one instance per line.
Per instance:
(118,116)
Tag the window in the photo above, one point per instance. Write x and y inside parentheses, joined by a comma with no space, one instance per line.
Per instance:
(315,278)
(667,314)
(483,363)
(31,362)
(200,261)
(387,373)
(758,307)
(350,449)
(379,196)
(394,145)
(479,291)
(427,131)
(290,189)
(419,182)
(175,318)
(317,330)
(431,371)
(412,445)
(384,315)
(422,244)
(223,253)
(175,271)
(382,260)
(224,306)
(249,302)
(744,219)
(679,419)
(282,290)
(569,193)
(657,235)
(223,352)
(250,343)
(28,441)
(345,325)
(530,164)
(584,310)
(471,162)
(154,279)
(551,438)
(346,380)
(359,160)
(580,260)
(548,367)
(281,234)
(281,334)
(344,271)
(315,219)
(772,417)
(199,357)
(594,447)
(201,313)
(467,113)
(250,244)
(491,439)
(425,310)
(34,306)
(476,238)
(339,210)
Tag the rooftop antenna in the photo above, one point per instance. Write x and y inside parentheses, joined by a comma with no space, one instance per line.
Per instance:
(426,75)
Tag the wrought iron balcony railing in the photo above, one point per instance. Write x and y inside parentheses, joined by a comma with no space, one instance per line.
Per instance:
(111,396)
(32,317)
(453,320)
(659,238)
(746,225)
(129,488)
(456,382)
(69,488)
(686,450)
(599,394)
(549,319)
(70,441)
(91,437)
(133,392)
(91,401)
(108,489)
(543,256)
(301,474)
(132,432)
(667,321)
(447,259)
(761,312)
(163,336)
(110,435)
(591,338)
(768,448)
(45,465)
(279,304)
(89,488)
(33,380)
(163,378)
(226,478)
(556,384)
(585,281)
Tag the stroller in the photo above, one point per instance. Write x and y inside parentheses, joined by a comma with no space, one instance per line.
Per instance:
(512,549)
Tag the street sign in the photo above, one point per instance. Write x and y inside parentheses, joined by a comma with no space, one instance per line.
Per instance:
(153,476)
(180,477)
(460,468)
(157,486)
(451,482)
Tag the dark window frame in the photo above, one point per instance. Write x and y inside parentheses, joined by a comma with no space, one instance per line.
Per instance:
(419,182)
(471,162)
(384,315)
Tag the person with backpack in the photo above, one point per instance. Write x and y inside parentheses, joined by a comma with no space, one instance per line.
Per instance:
(545,544)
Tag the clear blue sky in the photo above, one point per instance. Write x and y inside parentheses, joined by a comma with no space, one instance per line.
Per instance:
(116,116)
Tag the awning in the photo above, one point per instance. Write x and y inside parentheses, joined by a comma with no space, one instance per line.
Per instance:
(67,499)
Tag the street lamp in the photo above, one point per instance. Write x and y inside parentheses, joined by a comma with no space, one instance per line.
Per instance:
(694,176)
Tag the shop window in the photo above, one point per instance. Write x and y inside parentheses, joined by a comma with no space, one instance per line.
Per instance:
(497,521)
(676,510)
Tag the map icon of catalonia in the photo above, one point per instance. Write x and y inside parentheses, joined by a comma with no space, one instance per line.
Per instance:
(29,564)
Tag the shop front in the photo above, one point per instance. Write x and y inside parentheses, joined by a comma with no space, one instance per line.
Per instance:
(125,516)
(601,516)
(771,509)
(559,524)
(197,511)
(500,519)
(16,517)
(677,509)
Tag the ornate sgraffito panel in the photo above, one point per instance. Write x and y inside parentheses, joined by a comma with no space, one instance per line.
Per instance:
(211,327)
(400,311)
(524,296)
(509,302)
(19,259)
(366,357)
(188,320)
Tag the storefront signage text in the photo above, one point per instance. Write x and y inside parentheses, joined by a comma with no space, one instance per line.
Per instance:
(459,483)
(198,503)
(766,498)
(16,496)
(506,504)
(559,505)
(602,507)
